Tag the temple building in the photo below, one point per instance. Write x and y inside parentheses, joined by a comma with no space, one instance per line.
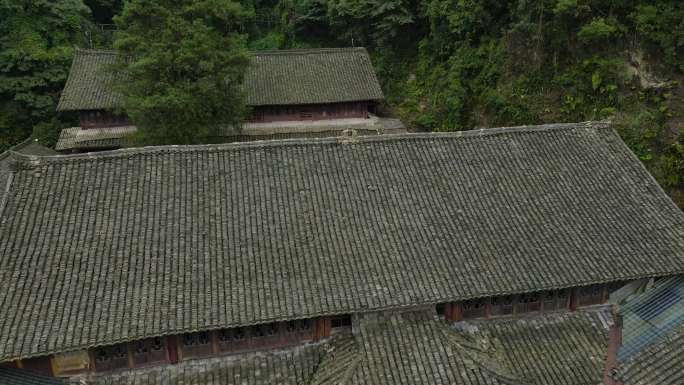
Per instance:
(291,93)
(536,255)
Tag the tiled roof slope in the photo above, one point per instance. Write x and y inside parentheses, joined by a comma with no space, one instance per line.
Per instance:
(660,364)
(553,349)
(90,82)
(311,77)
(93,138)
(414,348)
(96,249)
(290,367)
(23,377)
(29,146)
(274,78)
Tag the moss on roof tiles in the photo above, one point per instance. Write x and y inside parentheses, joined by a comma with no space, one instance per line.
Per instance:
(311,77)
(288,77)
(90,82)
(416,348)
(145,242)
(553,349)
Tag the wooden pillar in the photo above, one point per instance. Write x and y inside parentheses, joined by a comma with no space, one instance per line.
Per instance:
(574,299)
(605,294)
(129,351)
(172,349)
(322,328)
(214,342)
(453,311)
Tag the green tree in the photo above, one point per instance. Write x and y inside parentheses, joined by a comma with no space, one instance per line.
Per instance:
(185,67)
(36,45)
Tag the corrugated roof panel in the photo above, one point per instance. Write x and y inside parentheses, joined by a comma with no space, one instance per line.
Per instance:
(652,315)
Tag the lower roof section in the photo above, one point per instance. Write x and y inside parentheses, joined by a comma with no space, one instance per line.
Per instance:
(412,348)
(23,377)
(97,249)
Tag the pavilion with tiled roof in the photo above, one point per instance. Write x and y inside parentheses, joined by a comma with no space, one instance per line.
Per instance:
(295,93)
(485,257)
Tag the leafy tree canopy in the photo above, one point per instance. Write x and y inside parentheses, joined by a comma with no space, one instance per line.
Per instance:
(36,45)
(185,67)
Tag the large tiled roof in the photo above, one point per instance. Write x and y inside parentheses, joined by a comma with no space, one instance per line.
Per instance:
(311,77)
(284,77)
(90,82)
(96,249)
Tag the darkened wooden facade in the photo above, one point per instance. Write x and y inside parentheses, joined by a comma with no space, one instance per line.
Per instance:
(176,348)
(543,301)
(266,114)
(102,119)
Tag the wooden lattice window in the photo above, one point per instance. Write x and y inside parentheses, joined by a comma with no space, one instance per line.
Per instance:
(265,331)
(149,351)
(71,363)
(111,357)
(305,114)
(39,365)
(232,335)
(529,302)
(502,305)
(591,295)
(555,300)
(340,322)
(233,339)
(474,308)
(196,345)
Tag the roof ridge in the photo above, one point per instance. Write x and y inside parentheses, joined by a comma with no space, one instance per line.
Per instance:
(13,149)
(92,51)
(305,51)
(318,141)
(295,51)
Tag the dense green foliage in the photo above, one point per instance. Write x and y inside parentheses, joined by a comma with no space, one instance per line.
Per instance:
(185,67)
(459,64)
(36,45)
(444,64)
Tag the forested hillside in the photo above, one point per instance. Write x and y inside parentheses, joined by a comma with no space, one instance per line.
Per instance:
(444,64)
